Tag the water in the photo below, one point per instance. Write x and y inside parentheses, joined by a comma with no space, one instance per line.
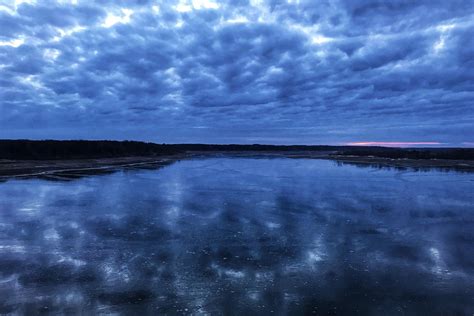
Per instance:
(240,236)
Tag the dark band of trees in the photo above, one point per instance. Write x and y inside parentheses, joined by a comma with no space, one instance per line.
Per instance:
(77,149)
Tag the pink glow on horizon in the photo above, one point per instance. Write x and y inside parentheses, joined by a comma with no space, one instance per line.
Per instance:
(394,144)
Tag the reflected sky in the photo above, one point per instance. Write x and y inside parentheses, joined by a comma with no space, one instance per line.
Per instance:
(240,236)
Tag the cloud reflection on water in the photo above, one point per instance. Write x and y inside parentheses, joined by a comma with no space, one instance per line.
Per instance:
(240,236)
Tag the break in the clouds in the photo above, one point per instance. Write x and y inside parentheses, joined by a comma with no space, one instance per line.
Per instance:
(239,71)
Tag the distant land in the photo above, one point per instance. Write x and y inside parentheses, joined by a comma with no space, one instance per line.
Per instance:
(76,149)
(20,158)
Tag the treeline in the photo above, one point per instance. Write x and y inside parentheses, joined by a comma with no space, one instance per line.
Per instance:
(382,152)
(406,153)
(77,149)
(253,147)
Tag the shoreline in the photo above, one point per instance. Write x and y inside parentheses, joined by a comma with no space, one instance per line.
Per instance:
(68,169)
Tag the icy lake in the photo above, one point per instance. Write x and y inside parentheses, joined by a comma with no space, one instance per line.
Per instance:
(240,236)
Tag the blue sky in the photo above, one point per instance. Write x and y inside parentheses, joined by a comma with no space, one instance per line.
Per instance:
(282,72)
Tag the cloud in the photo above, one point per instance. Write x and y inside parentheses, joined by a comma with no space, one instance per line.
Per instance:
(395,144)
(278,71)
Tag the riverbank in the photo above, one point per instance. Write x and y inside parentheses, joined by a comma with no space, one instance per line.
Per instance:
(67,169)
(73,168)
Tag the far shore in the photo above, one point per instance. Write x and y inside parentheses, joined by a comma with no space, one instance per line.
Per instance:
(67,169)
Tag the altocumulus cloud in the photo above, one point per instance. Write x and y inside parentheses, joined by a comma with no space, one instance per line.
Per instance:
(239,71)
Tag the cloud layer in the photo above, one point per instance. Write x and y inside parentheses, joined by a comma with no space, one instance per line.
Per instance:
(238,71)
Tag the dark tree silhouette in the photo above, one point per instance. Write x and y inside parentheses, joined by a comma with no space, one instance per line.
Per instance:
(77,149)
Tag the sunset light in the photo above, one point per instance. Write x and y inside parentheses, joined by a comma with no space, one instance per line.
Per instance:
(394,144)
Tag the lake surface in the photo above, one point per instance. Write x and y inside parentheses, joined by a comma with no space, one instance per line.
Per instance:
(240,236)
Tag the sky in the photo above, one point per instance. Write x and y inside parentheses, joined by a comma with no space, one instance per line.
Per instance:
(396,73)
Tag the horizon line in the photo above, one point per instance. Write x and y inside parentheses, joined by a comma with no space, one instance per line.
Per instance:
(398,144)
